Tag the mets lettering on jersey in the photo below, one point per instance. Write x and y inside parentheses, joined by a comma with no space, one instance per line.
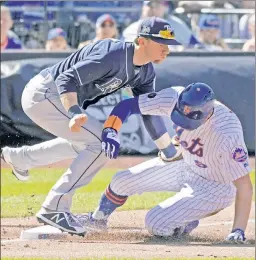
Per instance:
(194,148)
(216,150)
(109,86)
(199,164)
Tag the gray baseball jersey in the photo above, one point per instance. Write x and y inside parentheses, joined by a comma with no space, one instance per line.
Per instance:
(95,71)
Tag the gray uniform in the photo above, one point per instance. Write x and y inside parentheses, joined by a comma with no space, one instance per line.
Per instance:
(95,71)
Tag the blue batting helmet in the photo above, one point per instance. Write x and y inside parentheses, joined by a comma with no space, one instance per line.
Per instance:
(194,105)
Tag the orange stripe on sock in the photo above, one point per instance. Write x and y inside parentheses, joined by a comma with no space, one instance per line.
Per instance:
(113,198)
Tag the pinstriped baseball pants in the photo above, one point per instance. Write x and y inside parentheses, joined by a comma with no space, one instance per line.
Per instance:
(197,197)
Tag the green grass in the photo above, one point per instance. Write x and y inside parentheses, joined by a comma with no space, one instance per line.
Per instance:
(125,258)
(19,199)
(253,177)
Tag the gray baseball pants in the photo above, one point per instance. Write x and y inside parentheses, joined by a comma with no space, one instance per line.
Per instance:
(41,102)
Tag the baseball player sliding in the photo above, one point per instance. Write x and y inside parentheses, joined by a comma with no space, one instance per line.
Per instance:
(209,169)
(51,99)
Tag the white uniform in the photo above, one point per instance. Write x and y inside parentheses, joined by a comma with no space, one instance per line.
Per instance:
(214,155)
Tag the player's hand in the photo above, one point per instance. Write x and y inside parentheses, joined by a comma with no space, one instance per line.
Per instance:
(178,156)
(236,236)
(76,122)
(110,143)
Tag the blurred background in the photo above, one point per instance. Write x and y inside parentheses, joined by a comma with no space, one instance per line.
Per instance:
(218,47)
(208,25)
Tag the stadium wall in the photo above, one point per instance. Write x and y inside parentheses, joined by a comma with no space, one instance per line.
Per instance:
(231,75)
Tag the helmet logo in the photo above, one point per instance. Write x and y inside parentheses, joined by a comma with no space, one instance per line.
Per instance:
(186,110)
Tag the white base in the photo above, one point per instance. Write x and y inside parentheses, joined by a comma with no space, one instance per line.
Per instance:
(42,232)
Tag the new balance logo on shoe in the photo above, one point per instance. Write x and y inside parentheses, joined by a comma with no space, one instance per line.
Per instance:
(64,221)
(57,217)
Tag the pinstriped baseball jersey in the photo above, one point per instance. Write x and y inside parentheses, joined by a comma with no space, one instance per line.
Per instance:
(216,150)
(161,103)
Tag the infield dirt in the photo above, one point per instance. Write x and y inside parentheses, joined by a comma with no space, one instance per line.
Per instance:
(127,236)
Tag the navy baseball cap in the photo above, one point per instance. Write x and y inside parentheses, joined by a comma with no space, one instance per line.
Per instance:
(105,18)
(209,21)
(55,32)
(158,30)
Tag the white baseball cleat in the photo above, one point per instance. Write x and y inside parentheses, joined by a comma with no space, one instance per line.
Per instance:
(91,224)
(65,221)
(21,175)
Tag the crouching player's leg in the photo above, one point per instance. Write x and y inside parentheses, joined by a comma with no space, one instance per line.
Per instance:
(199,198)
(153,175)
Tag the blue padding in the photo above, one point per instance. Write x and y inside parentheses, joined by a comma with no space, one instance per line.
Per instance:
(126,108)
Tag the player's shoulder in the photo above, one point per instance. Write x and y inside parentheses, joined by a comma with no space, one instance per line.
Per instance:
(107,50)
(114,45)
(224,121)
(106,46)
(171,92)
(223,111)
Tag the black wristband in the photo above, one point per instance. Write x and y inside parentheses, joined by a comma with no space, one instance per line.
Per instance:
(74,110)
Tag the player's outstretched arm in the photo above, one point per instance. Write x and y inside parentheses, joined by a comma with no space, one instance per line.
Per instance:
(156,126)
(242,208)
(110,139)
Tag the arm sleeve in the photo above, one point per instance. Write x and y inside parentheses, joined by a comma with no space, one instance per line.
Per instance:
(154,124)
(160,103)
(235,157)
(152,119)
(83,72)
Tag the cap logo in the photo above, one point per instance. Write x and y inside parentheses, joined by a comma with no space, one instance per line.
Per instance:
(145,29)
(167,33)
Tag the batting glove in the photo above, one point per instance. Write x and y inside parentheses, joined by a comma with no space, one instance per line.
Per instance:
(236,236)
(110,143)
(178,156)
(176,140)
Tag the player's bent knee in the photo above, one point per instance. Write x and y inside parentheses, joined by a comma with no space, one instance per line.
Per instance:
(151,221)
(118,183)
(156,226)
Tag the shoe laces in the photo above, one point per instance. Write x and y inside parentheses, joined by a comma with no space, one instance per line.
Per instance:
(72,219)
(83,218)
(88,219)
